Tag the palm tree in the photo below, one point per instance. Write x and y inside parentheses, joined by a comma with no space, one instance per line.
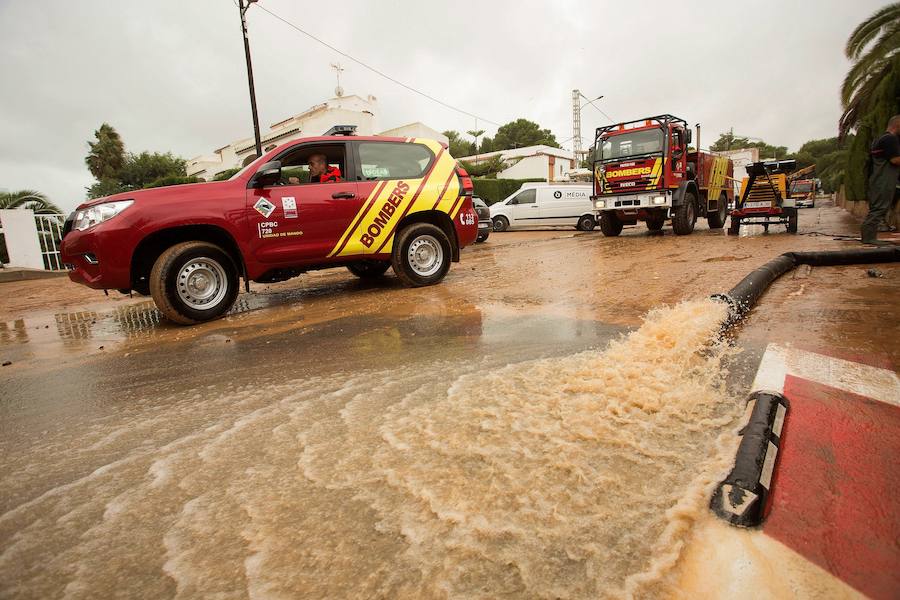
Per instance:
(872,46)
(31,200)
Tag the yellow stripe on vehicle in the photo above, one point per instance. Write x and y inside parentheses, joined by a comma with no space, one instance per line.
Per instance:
(656,173)
(374,232)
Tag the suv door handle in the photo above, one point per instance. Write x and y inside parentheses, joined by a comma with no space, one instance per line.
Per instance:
(348,195)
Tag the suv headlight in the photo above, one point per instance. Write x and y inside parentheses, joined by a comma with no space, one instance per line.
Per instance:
(94,215)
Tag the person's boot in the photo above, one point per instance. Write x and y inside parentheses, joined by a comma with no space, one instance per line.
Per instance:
(869,235)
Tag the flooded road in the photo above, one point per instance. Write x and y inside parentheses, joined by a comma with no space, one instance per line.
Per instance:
(516,432)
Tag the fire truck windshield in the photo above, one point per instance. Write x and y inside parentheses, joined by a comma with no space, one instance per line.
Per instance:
(634,143)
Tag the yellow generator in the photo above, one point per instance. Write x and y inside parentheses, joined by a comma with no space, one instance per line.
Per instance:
(764,198)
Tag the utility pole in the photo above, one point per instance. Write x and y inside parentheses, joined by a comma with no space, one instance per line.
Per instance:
(577,107)
(576,126)
(243,8)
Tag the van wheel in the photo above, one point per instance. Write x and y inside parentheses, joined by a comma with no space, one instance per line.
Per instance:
(685,215)
(716,220)
(369,269)
(610,224)
(421,255)
(192,282)
(586,223)
(501,223)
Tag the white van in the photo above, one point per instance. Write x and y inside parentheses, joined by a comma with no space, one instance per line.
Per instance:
(541,204)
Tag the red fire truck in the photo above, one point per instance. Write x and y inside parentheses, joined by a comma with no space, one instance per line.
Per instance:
(644,171)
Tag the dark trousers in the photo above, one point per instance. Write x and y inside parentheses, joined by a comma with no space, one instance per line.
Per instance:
(880,199)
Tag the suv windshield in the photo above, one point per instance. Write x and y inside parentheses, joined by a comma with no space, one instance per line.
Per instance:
(630,144)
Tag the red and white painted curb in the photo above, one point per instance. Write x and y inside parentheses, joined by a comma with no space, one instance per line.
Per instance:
(835,496)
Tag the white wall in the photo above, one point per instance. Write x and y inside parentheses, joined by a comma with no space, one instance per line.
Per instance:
(530,167)
(20,231)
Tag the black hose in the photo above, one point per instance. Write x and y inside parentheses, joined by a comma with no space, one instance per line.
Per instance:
(742,297)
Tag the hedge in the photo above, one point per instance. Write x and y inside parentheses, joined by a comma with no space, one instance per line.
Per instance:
(495,190)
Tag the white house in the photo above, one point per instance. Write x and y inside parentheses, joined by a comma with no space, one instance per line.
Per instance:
(741,158)
(341,110)
(530,162)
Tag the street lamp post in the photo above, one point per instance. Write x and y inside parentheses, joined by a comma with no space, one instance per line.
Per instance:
(243,8)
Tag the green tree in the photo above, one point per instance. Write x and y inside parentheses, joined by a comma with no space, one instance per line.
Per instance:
(142,169)
(873,48)
(485,168)
(520,133)
(729,141)
(226,174)
(870,92)
(458,145)
(30,200)
(107,155)
(476,133)
(105,187)
(828,155)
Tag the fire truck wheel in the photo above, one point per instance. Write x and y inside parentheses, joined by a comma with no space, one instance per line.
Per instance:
(501,223)
(685,215)
(192,282)
(369,269)
(793,218)
(421,255)
(734,226)
(656,223)
(586,223)
(610,224)
(716,219)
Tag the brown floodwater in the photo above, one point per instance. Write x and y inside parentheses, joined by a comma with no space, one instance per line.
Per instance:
(570,475)
(531,428)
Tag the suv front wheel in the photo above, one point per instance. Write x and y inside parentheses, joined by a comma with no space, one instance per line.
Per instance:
(421,255)
(192,282)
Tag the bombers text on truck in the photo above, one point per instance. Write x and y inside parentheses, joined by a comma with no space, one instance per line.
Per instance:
(644,171)
(386,202)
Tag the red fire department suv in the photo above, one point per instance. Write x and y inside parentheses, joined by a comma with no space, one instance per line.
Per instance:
(400,202)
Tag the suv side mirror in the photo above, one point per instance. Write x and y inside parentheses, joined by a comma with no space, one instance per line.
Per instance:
(268,174)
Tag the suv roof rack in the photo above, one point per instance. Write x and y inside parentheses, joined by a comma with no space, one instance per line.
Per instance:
(341,130)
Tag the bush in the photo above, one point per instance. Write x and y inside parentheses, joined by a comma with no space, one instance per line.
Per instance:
(495,190)
(226,174)
(173,180)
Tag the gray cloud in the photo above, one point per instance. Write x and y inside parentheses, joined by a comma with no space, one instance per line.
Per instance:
(170,75)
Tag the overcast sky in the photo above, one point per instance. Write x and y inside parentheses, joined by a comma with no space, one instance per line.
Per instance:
(169,75)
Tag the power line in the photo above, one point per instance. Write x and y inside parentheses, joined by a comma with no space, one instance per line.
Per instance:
(373,69)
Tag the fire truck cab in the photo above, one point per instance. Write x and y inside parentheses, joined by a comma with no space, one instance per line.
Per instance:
(644,171)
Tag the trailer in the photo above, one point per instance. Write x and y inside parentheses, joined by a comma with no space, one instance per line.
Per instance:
(764,198)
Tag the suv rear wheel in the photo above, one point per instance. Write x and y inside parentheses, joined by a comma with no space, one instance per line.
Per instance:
(369,269)
(610,224)
(192,282)
(421,255)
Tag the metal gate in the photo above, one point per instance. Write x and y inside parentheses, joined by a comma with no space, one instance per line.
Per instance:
(50,228)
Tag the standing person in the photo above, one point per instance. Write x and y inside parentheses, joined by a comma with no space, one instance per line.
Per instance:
(885,155)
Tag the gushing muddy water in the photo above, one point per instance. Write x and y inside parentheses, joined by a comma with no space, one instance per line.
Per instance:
(574,476)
